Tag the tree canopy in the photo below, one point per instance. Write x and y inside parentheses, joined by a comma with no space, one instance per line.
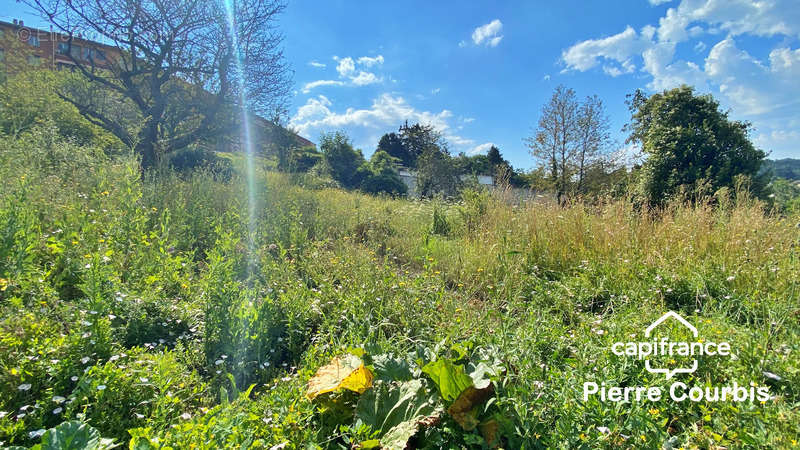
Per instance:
(570,137)
(690,143)
(182,66)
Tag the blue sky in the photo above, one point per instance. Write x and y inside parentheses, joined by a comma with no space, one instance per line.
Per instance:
(481,71)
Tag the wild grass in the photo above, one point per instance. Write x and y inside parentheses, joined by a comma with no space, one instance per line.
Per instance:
(108,279)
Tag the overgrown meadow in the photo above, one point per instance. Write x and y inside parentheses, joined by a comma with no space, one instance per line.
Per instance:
(154,313)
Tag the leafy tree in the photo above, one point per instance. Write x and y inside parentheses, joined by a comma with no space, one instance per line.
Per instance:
(383,163)
(410,142)
(383,176)
(495,158)
(392,144)
(472,165)
(344,162)
(593,138)
(417,139)
(554,142)
(303,159)
(177,64)
(29,99)
(570,137)
(436,174)
(689,142)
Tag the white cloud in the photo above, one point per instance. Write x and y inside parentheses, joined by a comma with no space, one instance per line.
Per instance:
(780,143)
(761,91)
(345,67)
(318,65)
(435,91)
(736,17)
(365,78)
(386,113)
(488,34)
(366,61)
(482,148)
(619,48)
(753,87)
(666,73)
(658,2)
(314,84)
(700,47)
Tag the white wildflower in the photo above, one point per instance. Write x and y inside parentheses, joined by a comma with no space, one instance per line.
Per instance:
(37,433)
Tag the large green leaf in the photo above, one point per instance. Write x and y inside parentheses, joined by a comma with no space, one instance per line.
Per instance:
(465,391)
(451,379)
(389,368)
(73,435)
(396,411)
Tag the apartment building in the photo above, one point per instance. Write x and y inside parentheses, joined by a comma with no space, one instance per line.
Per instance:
(49,48)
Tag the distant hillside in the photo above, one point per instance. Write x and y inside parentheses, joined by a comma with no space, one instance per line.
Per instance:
(788,168)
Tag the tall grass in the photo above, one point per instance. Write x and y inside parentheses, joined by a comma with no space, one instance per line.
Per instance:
(116,265)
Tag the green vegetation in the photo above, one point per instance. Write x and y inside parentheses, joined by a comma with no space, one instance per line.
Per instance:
(135,306)
(787,168)
(691,145)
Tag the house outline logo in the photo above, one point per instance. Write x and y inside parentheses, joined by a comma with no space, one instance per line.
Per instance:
(670,372)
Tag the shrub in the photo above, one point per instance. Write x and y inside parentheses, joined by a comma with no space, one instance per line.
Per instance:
(199,157)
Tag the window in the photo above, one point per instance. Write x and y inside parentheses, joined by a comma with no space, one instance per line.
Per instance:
(99,55)
(63,48)
(76,51)
(87,53)
(33,40)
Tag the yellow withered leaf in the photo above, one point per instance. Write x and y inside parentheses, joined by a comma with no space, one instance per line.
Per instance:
(344,372)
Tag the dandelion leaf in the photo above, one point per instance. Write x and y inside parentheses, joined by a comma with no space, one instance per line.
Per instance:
(345,372)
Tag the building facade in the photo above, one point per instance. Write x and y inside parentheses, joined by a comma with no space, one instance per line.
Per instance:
(50,49)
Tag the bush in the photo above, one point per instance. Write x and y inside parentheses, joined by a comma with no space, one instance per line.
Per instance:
(389,183)
(198,157)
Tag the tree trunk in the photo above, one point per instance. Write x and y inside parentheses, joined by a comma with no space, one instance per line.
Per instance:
(147,148)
